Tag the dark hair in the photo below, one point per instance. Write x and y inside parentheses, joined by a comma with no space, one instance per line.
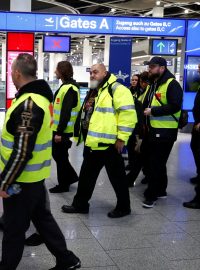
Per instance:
(138,83)
(144,76)
(26,64)
(65,69)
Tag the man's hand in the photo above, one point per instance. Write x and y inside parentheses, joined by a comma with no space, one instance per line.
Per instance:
(147,112)
(119,145)
(3,194)
(197,127)
(57,138)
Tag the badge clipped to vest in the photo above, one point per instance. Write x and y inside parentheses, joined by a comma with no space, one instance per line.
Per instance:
(57,100)
(158,95)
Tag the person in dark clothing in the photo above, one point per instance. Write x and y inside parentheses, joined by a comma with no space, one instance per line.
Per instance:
(135,85)
(135,91)
(161,101)
(105,123)
(195,146)
(195,140)
(135,141)
(25,160)
(66,107)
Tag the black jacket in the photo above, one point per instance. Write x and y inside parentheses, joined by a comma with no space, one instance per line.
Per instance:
(69,102)
(174,96)
(196,108)
(24,124)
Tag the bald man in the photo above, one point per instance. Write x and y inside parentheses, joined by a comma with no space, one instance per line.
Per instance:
(105,122)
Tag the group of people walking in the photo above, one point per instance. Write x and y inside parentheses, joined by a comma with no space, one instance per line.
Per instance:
(144,118)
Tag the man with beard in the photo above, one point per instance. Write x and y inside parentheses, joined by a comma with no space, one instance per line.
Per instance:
(105,122)
(162,103)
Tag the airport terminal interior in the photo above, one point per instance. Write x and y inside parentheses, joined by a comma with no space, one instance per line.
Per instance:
(167,236)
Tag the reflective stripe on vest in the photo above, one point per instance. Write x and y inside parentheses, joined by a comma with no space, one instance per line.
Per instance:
(127,129)
(128,107)
(101,135)
(32,167)
(109,110)
(58,107)
(68,124)
(37,148)
(58,113)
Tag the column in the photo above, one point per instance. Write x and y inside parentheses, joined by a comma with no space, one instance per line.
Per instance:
(20,5)
(40,60)
(107,51)
(51,67)
(158,11)
(183,48)
(87,53)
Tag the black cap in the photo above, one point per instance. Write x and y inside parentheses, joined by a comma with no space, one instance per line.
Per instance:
(157,61)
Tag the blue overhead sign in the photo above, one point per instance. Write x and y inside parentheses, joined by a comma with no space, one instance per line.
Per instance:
(193,38)
(164,47)
(37,22)
(148,26)
(122,68)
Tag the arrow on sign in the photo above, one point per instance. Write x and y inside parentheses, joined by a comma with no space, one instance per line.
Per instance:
(161,46)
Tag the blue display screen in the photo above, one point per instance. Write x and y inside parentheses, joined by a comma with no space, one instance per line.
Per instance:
(56,44)
(192,76)
(91,24)
(164,47)
(193,38)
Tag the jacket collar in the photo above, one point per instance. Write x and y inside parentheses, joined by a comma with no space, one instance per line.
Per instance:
(39,87)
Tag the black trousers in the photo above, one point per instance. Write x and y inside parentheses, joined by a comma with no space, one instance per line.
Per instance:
(130,149)
(30,205)
(138,163)
(92,164)
(157,155)
(195,147)
(65,172)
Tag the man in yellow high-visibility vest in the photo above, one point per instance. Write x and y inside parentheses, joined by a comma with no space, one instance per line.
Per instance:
(105,122)
(25,160)
(162,103)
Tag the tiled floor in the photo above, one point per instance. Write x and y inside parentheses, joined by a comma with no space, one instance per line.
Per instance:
(164,238)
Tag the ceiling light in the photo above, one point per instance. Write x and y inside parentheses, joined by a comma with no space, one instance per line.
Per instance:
(157,3)
(113,10)
(186,11)
(136,41)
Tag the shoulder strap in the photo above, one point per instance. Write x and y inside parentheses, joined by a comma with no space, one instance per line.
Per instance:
(163,104)
(112,87)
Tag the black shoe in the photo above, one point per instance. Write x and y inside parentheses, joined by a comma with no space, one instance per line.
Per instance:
(162,195)
(70,209)
(73,181)
(144,181)
(34,240)
(74,263)
(119,213)
(148,204)
(58,189)
(195,180)
(192,204)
